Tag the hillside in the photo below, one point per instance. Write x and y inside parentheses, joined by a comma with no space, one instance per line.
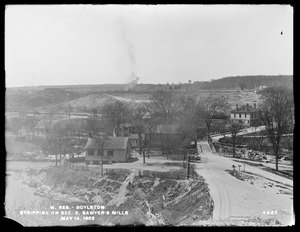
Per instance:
(93,101)
(251,82)
(40,98)
(226,83)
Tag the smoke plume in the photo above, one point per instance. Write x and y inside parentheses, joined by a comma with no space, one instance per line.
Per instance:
(128,45)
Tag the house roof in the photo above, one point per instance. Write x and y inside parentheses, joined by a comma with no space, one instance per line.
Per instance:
(136,136)
(109,143)
(41,124)
(167,128)
(243,109)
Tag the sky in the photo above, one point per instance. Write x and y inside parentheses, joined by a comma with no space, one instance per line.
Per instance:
(99,44)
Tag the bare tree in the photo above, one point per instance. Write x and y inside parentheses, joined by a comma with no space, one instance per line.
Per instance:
(100,141)
(234,129)
(47,122)
(165,105)
(277,115)
(223,129)
(151,124)
(188,109)
(139,124)
(93,125)
(68,110)
(118,114)
(242,85)
(188,122)
(95,112)
(208,108)
(29,124)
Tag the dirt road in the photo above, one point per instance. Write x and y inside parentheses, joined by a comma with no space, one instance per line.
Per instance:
(236,198)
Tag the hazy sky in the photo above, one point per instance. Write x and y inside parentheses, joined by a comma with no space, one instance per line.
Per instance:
(85,44)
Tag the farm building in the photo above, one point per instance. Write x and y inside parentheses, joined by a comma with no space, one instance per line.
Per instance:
(245,114)
(135,140)
(164,135)
(115,149)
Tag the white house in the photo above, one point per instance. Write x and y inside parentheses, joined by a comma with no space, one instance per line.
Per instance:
(245,114)
(115,149)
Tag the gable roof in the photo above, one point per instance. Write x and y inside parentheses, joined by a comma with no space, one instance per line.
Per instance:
(243,109)
(109,143)
(41,124)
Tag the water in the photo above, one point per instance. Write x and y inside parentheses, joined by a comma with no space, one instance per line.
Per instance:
(19,195)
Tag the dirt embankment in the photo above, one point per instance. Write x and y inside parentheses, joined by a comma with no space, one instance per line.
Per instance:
(149,201)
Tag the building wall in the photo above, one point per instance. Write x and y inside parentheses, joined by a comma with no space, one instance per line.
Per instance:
(156,140)
(90,159)
(118,156)
(39,132)
(246,120)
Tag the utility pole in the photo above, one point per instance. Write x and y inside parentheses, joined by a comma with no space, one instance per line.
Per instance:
(188,167)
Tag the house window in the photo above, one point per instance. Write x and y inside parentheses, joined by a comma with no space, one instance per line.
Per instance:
(234,115)
(251,115)
(96,162)
(90,152)
(110,153)
(248,121)
(245,116)
(240,115)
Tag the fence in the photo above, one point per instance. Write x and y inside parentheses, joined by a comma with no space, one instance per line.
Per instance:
(178,175)
(75,166)
(172,174)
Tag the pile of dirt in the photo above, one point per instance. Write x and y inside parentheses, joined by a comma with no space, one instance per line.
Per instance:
(240,175)
(262,182)
(149,201)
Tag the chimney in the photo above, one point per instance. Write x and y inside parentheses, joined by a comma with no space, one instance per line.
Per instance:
(237,107)
(247,107)
(254,105)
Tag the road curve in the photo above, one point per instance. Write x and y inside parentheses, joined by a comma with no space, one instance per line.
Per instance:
(236,198)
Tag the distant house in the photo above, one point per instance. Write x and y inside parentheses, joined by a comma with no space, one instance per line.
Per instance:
(135,140)
(115,149)
(42,126)
(260,88)
(125,130)
(245,114)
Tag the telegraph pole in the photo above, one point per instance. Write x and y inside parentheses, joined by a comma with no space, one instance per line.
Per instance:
(188,167)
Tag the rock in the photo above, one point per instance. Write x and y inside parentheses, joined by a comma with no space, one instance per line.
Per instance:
(195,217)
